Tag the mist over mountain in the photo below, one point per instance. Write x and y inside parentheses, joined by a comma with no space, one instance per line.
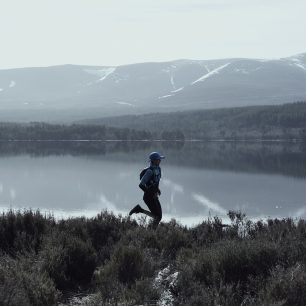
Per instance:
(70,92)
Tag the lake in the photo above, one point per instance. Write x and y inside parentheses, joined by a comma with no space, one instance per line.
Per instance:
(199,179)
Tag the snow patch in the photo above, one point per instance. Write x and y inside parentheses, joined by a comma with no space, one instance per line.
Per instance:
(172,81)
(1,89)
(300,66)
(177,90)
(296,61)
(171,75)
(106,72)
(12,84)
(102,73)
(166,96)
(125,103)
(209,74)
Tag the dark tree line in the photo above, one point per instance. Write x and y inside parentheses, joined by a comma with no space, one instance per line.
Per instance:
(263,122)
(286,121)
(45,131)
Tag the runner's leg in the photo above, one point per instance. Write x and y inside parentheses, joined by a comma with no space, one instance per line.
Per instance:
(155,208)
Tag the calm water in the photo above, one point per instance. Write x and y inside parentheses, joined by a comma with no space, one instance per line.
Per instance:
(199,179)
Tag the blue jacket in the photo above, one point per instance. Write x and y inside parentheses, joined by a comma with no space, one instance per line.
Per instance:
(151,177)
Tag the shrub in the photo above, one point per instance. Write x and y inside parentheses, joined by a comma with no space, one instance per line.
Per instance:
(69,260)
(105,230)
(172,237)
(124,275)
(285,287)
(128,263)
(230,261)
(223,294)
(244,263)
(24,282)
(23,231)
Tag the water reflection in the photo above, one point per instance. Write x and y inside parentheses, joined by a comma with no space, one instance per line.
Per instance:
(251,157)
(199,179)
(209,205)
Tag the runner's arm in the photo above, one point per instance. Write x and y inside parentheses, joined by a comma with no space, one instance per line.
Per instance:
(145,180)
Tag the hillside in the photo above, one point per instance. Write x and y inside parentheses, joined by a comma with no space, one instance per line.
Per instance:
(279,122)
(69,92)
(286,121)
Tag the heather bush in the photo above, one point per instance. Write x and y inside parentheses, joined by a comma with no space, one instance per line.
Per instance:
(229,261)
(105,230)
(24,282)
(285,286)
(243,263)
(173,237)
(223,294)
(69,260)
(23,231)
(128,264)
(126,276)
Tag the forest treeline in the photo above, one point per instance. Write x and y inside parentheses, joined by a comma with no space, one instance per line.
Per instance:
(286,121)
(115,260)
(47,131)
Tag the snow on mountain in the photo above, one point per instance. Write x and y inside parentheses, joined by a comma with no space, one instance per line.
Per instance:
(171,73)
(210,73)
(101,73)
(298,60)
(177,90)
(165,96)
(298,63)
(149,87)
(125,103)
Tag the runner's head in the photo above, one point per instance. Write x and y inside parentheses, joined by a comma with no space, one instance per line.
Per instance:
(155,158)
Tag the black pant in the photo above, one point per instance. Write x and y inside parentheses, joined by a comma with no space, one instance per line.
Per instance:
(153,203)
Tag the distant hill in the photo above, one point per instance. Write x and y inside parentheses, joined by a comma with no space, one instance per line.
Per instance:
(272,122)
(69,92)
(286,121)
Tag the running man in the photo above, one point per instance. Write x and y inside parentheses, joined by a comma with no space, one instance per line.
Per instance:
(149,183)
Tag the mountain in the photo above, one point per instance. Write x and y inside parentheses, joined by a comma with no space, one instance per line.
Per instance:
(72,92)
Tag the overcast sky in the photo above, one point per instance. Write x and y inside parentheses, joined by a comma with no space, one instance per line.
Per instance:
(115,32)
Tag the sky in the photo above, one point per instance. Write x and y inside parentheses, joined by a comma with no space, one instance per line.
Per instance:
(117,32)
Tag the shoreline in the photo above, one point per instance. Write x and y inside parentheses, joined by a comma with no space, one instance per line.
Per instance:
(292,140)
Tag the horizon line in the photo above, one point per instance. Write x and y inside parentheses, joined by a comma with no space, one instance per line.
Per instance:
(151,62)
